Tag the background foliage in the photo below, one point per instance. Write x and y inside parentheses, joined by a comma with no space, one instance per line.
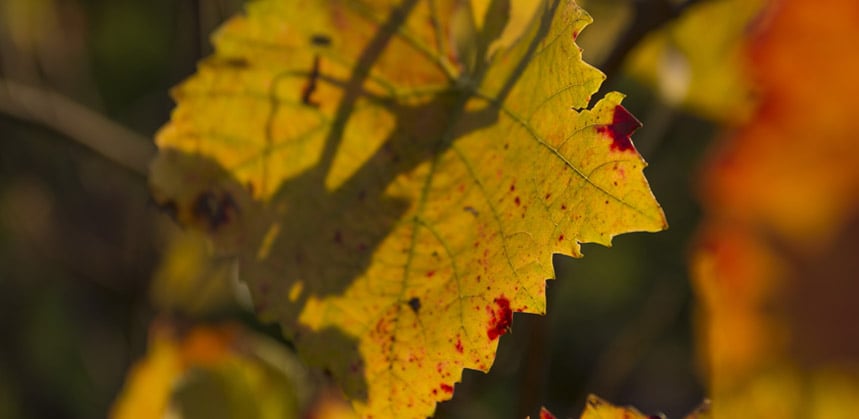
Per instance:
(82,267)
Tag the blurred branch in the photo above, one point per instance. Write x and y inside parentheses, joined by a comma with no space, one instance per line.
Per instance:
(648,16)
(77,122)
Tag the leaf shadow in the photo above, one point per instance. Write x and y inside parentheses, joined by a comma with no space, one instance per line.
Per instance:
(308,242)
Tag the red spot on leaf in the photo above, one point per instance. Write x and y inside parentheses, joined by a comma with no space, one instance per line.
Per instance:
(561,238)
(517,201)
(623,124)
(459,347)
(447,388)
(430,274)
(545,414)
(512,187)
(563,207)
(501,318)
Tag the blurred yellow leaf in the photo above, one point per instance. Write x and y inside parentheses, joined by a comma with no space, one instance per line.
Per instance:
(211,372)
(393,206)
(698,60)
(24,20)
(330,406)
(150,383)
(776,265)
(190,278)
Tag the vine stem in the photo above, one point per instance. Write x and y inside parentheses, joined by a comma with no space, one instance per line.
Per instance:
(87,127)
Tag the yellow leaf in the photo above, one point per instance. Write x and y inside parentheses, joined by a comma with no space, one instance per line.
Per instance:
(393,207)
(597,408)
(698,60)
(150,383)
(189,278)
(208,371)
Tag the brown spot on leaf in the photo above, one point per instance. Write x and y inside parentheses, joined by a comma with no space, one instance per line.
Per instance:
(235,63)
(170,208)
(415,304)
(213,210)
(320,40)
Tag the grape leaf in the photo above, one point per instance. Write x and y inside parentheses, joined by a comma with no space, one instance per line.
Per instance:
(392,202)
(597,408)
(776,266)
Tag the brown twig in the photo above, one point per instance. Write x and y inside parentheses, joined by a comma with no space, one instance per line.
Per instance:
(77,122)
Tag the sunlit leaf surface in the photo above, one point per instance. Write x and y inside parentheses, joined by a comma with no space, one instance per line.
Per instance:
(395,183)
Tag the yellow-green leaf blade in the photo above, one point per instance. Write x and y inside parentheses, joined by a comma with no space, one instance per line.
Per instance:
(408,207)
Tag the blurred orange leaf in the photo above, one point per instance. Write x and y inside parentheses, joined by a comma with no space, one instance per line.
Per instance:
(776,268)
(396,181)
